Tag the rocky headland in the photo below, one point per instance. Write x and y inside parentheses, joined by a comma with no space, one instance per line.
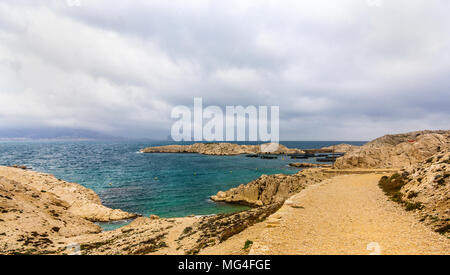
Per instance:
(269,189)
(36,209)
(223,149)
(340,148)
(79,201)
(396,151)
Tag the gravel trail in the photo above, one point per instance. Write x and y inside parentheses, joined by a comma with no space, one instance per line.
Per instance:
(346,215)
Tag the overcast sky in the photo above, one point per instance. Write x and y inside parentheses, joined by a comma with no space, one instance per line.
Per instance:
(339,70)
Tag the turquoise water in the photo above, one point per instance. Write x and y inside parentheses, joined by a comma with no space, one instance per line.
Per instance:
(167,185)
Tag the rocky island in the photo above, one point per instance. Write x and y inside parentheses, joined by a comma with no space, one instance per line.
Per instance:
(223,149)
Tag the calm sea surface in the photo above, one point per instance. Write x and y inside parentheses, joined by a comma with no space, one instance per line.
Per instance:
(167,185)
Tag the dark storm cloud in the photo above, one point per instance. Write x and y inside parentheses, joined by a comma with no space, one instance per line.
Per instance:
(338,70)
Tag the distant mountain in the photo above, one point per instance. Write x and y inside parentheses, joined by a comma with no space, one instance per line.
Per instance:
(54,134)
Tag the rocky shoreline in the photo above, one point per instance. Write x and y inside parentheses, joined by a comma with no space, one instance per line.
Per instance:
(40,214)
(309,165)
(37,209)
(271,189)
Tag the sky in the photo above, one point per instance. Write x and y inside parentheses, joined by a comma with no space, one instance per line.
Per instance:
(338,70)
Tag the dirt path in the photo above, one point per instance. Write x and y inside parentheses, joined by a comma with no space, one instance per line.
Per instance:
(344,215)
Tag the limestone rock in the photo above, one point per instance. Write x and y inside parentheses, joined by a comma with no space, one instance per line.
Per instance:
(187,235)
(215,229)
(428,183)
(32,220)
(340,148)
(80,201)
(396,151)
(271,189)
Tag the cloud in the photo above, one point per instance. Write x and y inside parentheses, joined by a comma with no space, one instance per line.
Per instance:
(338,70)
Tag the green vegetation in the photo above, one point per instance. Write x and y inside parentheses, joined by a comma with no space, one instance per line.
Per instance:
(413,206)
(247,244)
(392,185)
(91,246)
(187,230)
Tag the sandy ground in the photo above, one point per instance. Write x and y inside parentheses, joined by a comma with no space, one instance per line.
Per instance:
(347,214)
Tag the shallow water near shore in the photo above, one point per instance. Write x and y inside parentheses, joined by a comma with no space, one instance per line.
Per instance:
(167,185)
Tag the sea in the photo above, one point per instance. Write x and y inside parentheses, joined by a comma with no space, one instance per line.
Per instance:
(167,185)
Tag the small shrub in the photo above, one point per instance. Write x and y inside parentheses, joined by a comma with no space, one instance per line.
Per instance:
(247,244)
(413,206)
(187,230)
(391,186)
(443,229)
